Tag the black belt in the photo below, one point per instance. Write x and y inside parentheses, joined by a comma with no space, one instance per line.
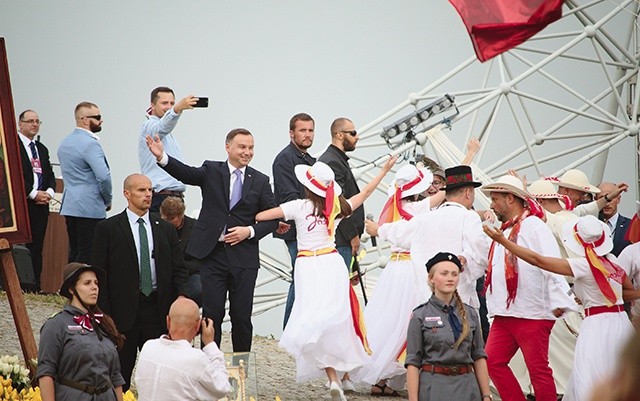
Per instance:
(85,388)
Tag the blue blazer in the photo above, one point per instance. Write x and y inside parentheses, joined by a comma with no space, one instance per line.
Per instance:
(86,175)
(619,242)
(213,178)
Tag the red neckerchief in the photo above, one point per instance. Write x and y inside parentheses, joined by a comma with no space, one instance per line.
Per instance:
(85,320)
(601,267)
(331,202)
(510,260)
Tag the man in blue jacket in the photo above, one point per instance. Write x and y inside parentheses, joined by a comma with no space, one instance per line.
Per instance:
(87,181)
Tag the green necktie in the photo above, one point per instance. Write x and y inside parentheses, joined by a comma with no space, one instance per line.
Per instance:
(146,287)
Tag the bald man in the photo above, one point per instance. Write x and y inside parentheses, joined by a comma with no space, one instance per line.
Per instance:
(145,270)
(609,214)
(169,368)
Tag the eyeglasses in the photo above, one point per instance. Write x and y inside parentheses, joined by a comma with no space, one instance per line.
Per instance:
(37,122)
(352,133)
(96,117)
(437,183)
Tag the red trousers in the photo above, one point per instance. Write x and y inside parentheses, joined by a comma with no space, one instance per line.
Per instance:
(506,335)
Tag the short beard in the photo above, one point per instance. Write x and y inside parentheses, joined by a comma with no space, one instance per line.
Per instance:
(95,128)
(348,146)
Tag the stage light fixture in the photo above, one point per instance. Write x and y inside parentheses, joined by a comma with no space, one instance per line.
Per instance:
(408,123)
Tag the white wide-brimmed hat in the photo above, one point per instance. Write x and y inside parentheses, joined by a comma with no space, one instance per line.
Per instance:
(411,181)
(591,230)
(543,189)
(507,184)
(316,178)
(576,179)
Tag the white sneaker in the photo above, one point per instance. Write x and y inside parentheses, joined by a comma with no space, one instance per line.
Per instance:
(336,392)
(347,386)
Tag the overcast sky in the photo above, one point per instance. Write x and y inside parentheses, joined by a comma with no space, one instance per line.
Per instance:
(259,63)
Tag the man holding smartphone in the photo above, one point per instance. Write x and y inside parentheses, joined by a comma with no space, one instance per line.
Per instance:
(163,115)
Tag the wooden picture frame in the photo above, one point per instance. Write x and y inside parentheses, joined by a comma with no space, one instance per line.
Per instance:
(14,218)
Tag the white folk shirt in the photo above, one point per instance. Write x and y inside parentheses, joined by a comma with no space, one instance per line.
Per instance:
(539,292)
(555,221)
(173,370)
(450,228)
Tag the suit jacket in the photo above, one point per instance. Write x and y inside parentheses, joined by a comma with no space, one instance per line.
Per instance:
(285,184)
(192,265)
(213,178)
(48,178)
(87,179)
(619,243)
(115,252)
(354,225)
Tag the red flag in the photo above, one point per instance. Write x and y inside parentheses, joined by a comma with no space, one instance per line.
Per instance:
(633,232)
(496,26)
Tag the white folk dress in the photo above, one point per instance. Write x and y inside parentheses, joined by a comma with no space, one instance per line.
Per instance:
(601,337)
(320,332)
(400,288)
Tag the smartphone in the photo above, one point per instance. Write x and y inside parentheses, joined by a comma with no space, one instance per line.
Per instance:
(202,102)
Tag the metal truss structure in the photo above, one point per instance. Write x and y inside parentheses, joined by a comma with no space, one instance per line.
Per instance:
(559,101)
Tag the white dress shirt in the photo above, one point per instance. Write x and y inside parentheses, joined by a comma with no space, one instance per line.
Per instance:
(135,230)
(170,370)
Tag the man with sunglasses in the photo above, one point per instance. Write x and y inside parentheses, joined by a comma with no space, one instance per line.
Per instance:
(87,181)
(343,139)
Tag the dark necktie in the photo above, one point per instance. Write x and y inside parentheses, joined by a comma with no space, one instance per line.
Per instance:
(34,155)
(236,194)
(456,327)
(146,287)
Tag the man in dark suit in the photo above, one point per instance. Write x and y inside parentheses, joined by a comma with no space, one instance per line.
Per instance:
(145,270)
(343,139)
(225,237)
(39,185)
(609,214)
(172,210)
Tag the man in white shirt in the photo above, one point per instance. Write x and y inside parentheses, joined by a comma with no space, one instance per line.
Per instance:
(521,298)
(169,368)
(452,227)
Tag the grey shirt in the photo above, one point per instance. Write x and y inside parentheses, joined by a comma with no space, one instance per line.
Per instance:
(430,337)
(67,350)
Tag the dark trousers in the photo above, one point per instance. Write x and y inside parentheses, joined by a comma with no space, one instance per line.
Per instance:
(218,278)
(148,326)
(80,231)
(292,247)
(38,219)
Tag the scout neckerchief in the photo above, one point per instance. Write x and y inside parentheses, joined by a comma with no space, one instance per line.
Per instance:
(85,321)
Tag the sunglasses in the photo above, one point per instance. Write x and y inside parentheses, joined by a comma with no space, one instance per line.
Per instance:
(97,117)
(352,133)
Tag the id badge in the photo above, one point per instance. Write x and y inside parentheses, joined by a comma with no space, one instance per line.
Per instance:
(37,167)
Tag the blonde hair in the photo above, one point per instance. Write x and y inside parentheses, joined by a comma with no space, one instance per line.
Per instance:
(461,312)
